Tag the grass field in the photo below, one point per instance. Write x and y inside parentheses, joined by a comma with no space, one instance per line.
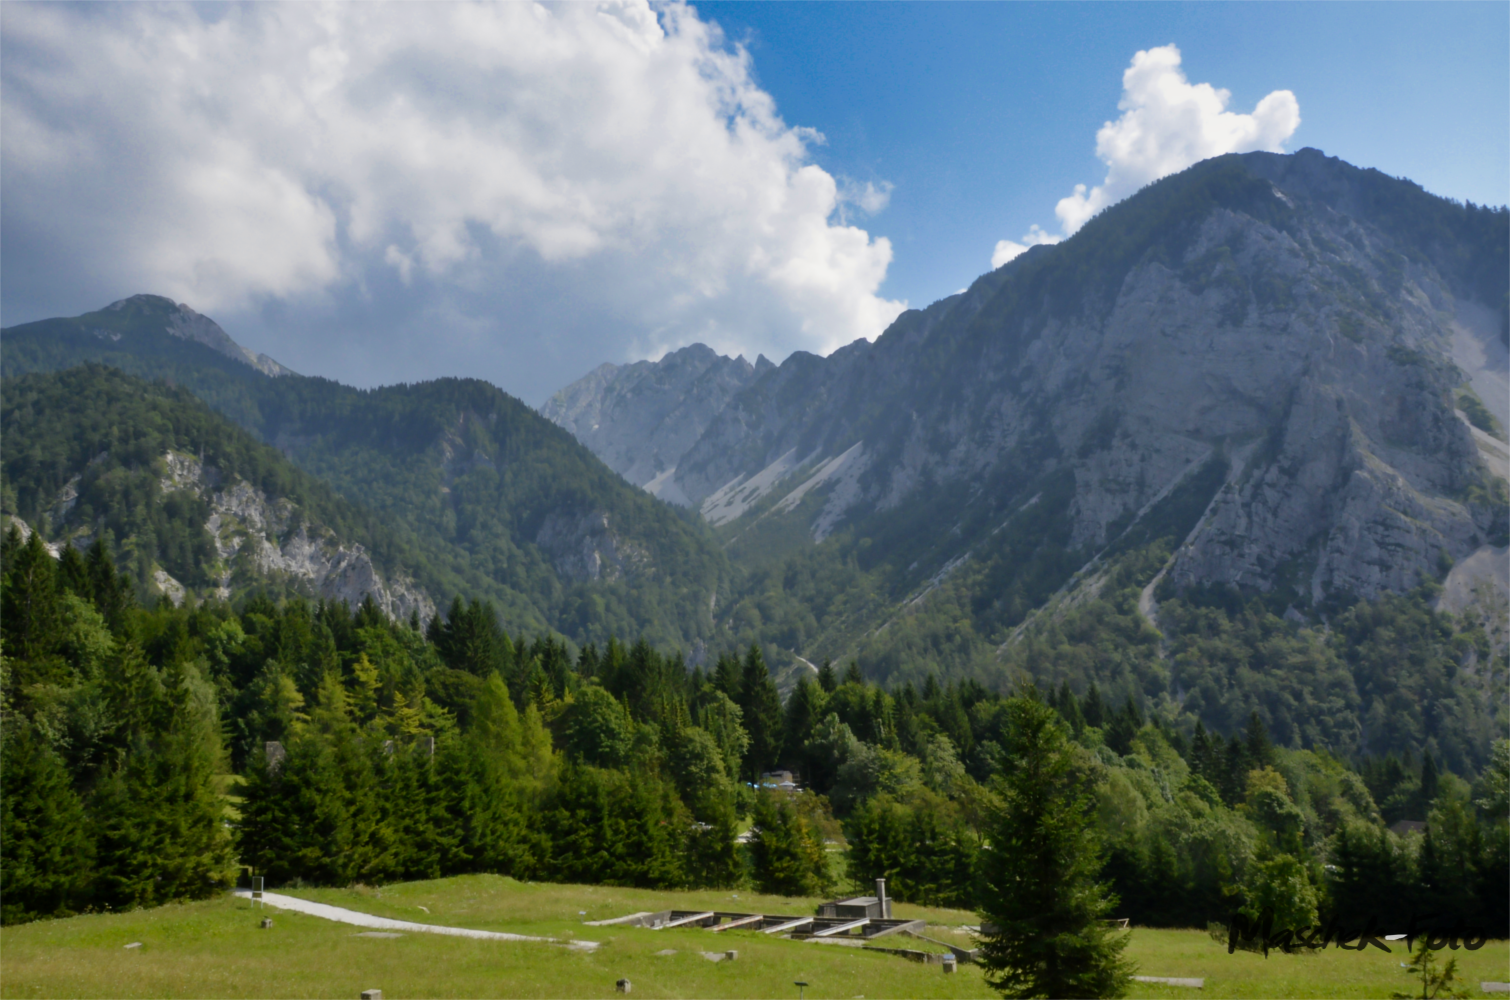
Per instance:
(215,949)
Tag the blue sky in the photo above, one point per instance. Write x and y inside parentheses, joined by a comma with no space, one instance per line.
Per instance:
(519,193)
(984,114)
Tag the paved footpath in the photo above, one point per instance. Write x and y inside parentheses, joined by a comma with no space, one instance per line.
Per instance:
(345,916)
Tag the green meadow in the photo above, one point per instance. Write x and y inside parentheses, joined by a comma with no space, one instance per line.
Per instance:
(217,949)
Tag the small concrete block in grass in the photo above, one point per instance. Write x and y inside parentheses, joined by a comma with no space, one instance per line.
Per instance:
(1495,987)
(134,944)
(372,995)
(623,986)
(267,923)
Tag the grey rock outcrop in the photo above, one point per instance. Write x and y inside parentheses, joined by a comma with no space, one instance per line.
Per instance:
(640,418)
(262,538)
(584,547)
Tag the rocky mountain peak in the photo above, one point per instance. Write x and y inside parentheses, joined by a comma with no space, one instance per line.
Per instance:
(183,322)
(1269,358)
(641,418)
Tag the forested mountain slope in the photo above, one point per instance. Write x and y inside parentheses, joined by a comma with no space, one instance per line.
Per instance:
(190,504)
(480,480)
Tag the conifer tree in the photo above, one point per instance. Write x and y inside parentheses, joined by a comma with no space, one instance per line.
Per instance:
(712,856)
(1069,707)
(804,710)
(1092,707)
(604,825)
(787,854)
(159,816)
(46,851)
(826,677)
(494,789)
(1430,778)
(1451,854)
(1367,875)
(726,677)
(761,705)
(1039,871)
(1123,727)
(73,574)
(1259,752)
(110,590)
(1203,759)
(31,615)
(495,725)
(470,639)
(723,720)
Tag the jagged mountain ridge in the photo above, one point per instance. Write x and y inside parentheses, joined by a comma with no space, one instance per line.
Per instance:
(641,418)
(1293,323)
(540,526)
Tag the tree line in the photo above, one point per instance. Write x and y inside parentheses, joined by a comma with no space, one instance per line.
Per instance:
(150,751)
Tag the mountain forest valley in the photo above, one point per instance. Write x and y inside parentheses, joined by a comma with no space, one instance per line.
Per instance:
(1219,482)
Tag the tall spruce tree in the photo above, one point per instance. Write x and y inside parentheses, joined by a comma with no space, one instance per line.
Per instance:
(160,815)
(471,639)
(827,679)
(805,708)
(46,851)
(31,614)
(787,854)
(761,705)
(1039,871)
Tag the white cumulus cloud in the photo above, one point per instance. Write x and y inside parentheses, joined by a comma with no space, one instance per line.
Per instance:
(1167,124)
(1009,250)
(572,182)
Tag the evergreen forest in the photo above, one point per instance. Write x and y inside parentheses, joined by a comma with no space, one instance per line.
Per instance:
(154,751)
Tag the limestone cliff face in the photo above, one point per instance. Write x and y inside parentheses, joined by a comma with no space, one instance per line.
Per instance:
(1277,315)
(260,538)
(584,547)
(640,418)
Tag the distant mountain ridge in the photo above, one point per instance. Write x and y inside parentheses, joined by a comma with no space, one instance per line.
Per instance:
(1271,360)
(144,321)
(641,418)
